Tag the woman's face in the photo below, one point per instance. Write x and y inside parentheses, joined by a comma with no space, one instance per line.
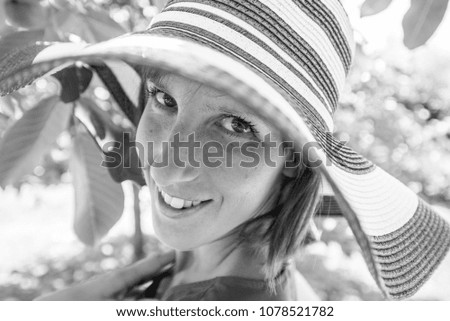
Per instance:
(198,198)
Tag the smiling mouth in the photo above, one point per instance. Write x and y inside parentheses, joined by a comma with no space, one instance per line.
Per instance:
(175,203)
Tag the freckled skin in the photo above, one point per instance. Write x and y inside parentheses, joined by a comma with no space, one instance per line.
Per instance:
(237,193)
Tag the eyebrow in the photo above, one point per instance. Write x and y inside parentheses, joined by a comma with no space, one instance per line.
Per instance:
(157,77)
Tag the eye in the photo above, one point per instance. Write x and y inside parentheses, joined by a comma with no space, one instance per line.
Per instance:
(238,125)
(165,99)
(162,98)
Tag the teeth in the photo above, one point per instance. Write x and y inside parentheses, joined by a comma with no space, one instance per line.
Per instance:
(167,199)
(177,203)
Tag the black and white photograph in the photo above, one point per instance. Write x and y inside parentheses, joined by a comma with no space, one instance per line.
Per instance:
(225,150)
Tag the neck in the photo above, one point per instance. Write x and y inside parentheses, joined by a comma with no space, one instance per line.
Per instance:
(220,258)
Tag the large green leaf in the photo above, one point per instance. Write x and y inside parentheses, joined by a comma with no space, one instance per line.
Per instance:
(372,7)
(26,13)
(159,4)
(422,20)
(7,106)
(3,26)
(3,123)
(92,25)
(18,40)
(74,81)
(99,200)
(26,141)
(122,161)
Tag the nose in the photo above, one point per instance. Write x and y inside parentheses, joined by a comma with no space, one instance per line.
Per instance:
(177,156)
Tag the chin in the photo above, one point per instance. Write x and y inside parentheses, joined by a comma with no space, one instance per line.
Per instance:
(171,235)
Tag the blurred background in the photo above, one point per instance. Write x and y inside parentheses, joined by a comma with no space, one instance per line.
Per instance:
(395,111)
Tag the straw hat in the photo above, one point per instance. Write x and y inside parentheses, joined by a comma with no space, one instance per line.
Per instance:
(286,60)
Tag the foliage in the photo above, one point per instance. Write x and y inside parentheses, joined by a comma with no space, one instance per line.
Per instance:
(334,267)
(95,217)
(371,7)
(393,116)
(28,140)
(32,136)
(396,111)
(86,21)
(328,266)
(55,273)
(419,23)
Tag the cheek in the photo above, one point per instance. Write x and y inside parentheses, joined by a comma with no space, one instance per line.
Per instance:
(150,133)
(246,190)
(239,193)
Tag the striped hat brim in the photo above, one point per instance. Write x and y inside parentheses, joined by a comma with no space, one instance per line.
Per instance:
(402,239)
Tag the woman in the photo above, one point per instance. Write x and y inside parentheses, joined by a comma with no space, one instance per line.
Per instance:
(229,247)
(214,215)
(271,67)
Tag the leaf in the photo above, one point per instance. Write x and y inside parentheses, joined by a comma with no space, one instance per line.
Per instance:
(21,67)
(159,4)
(74,81)
(2,17)
(373,7)
(7,106)
(4,119)
(422,20)
(92,25)
(102,25)
(30,138)
(26,13)
(99,201)
(18,40)
(122,161)
(124,82)
(61,4)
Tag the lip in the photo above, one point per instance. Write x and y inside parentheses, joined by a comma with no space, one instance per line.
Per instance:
(171,212)
(186,198)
